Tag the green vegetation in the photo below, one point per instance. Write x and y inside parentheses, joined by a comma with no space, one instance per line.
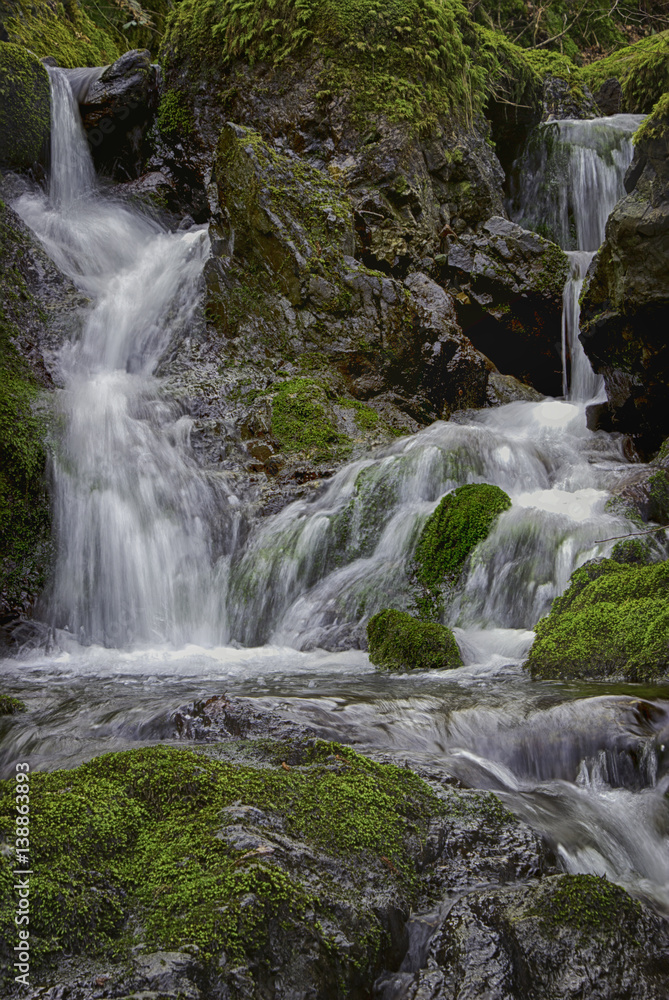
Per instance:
(407,59)
(398,641)
(613,621)
(25,108)
(301,420)
(174,118)
(655,126)
(642,68)
(132,847)
(24,505)
(10,706)
(461,520)
(586,903)
(83,32)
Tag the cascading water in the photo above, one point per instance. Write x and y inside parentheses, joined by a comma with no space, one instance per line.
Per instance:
(131,508)
(565,186)
(137,564)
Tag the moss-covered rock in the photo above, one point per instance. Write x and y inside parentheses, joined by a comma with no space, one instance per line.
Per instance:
(641,68)
(462,519)
(613,621)
(161,849)
(74,33)
(398,641)
(25,109)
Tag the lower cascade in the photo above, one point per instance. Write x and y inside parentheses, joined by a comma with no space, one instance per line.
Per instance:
(228,651)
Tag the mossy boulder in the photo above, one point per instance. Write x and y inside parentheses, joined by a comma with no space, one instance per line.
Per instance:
(25,109)
(221,867)
(74,33)
(612,622)
(461,520)
(398,641)
(642,70)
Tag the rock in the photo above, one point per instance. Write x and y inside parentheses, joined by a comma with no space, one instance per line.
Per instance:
(625,306)
(612,622)
(154,195)
(609,97)
(40,309)
(117,109)
(562,101)
(570,935)
(508,284)
(398,641)
(25,111)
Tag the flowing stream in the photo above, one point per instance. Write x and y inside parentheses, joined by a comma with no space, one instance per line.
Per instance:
(150,609)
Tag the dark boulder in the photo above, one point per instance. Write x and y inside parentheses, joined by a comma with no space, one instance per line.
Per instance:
(625,307)
(117,108)
(609,97)
(508,284)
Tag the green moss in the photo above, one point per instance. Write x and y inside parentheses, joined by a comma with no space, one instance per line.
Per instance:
(642,68)
(174,119)
(407,59)
(613,621)
(301,421)
(25,107)
(654,127)
(461,520)
(589,904)
(63,30)
(10,706)
(366,418)
(398,641)
(632,550)
(131,847)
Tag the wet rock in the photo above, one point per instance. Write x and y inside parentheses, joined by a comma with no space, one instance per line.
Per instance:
(625,308)
(117,109)
(609,97)
(562,101)
(507,283)
(40,309)
(25,111)
(570,935)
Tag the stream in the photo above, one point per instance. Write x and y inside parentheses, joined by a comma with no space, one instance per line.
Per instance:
(149,610)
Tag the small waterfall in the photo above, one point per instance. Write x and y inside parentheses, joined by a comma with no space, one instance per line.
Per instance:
(131,508)
(565,186)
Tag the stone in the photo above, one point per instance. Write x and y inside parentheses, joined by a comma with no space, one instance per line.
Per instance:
(609,97)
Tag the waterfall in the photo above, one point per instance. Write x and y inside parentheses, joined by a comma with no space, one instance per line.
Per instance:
(131,509)
(565,186)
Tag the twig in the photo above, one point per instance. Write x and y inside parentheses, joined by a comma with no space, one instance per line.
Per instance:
(632,534)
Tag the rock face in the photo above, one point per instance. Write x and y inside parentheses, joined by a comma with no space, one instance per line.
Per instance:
(25,111)
(625,308)
(40,308)
(509,283)
(117,109)
(403,188)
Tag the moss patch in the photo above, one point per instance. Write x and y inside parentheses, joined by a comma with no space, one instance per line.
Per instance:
(589,904)
(398,641)
(132,847)
(461,520)
(63,30)
(25,108)
(642,68)
(655,126)
(613,621)
(174,119)
(10,706)
(301,420)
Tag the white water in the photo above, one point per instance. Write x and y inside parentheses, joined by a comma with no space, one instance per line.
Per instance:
(135,560)
(136,566)
(570,177)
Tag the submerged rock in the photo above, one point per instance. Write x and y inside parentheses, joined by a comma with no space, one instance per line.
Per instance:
(25,110)
(625,308)
(398,641)
(613,622)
